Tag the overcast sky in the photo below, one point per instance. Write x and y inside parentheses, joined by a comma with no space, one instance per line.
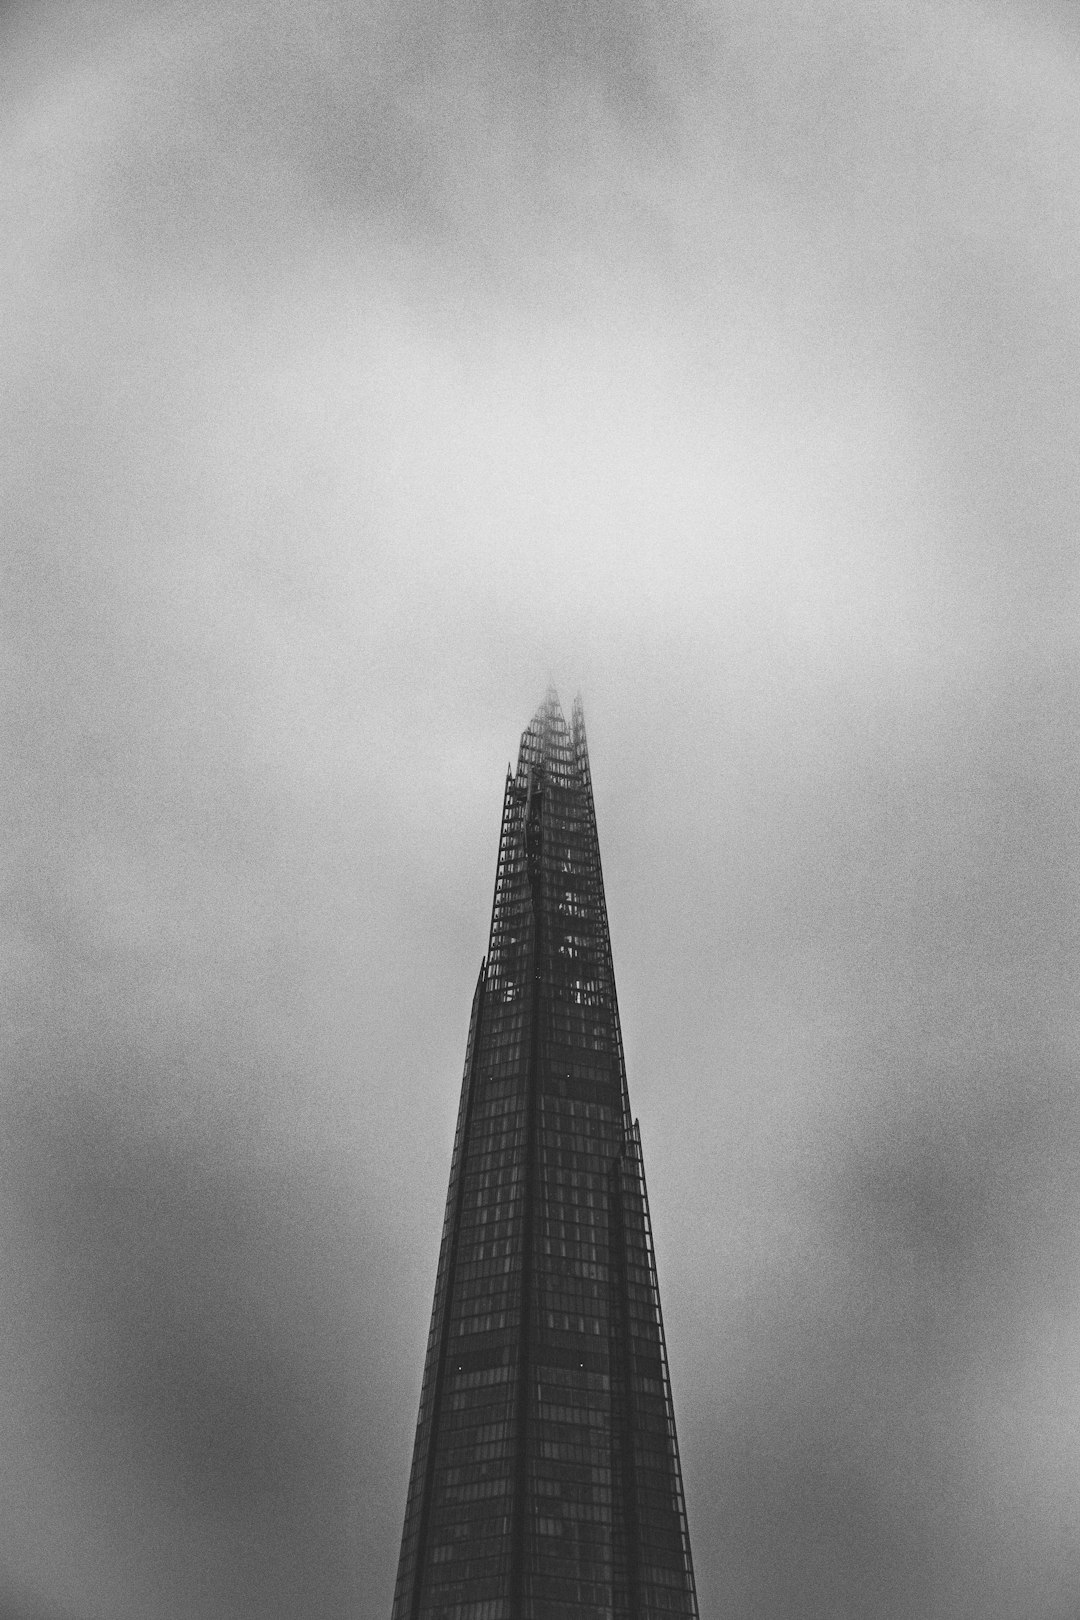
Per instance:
(362,367)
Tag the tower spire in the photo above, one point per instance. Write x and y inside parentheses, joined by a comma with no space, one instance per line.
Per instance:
(545,1482)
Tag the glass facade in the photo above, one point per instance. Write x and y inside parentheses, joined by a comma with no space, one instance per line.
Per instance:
(545,1480)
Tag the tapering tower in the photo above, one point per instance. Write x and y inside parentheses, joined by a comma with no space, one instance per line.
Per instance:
(545,1477)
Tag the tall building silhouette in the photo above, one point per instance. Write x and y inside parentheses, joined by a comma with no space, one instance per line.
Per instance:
(545,1478)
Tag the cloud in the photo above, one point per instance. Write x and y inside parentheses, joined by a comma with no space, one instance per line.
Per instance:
(365,367)
(874,1440)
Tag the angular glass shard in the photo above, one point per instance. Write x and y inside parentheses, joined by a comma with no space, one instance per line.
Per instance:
(545,1479)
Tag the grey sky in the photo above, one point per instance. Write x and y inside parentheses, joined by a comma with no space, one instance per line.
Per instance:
(363,367)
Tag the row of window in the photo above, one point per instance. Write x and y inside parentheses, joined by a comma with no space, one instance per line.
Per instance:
(577,1168)
(571,1113)
(485,1609)
(571,1451)
(599,1499)
(575,1264)
(501,1057)
(488,1213)
(563,1322)
(581,1226)
(478,1491)
(465,1410)
(493,1109)
(501,1035)
(490,1451)
(504,1135)
(571,1378)
(579,1416)
(502,1180)
(493,1249)
(501,1170)
(466,1325)
(578,1032)
(490,1267)
(590,1190)
(597,1140)
(574,1294)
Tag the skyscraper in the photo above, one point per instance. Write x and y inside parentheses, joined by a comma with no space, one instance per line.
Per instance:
(545,1478)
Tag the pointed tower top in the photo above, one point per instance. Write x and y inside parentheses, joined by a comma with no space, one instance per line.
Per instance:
(580,745)
(548,745)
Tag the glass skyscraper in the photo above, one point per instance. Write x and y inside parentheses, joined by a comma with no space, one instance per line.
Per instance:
(545,1477)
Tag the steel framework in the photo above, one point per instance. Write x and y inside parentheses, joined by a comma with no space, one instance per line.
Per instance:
(545,1478)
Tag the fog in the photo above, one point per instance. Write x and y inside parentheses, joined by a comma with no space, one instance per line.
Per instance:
(363,368)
